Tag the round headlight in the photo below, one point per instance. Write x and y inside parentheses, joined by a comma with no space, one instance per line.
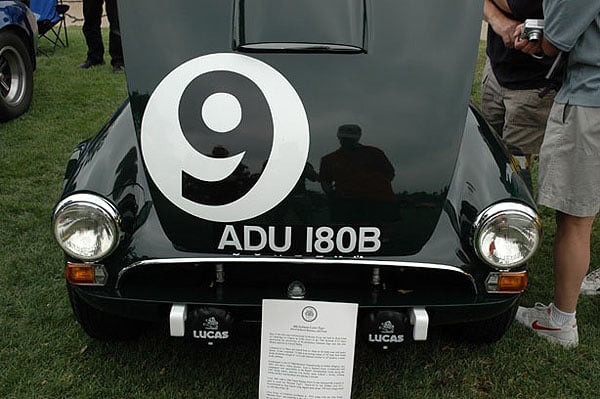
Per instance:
(86,226)
(507,234)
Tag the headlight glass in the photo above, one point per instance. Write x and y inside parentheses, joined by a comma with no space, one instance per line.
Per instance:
(86,226)
(507,234)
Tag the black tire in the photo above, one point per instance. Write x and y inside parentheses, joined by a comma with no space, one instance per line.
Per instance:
(104,326)
(16,76)
(484,331)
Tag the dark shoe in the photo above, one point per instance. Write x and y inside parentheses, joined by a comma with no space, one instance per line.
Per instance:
(88,64)
(119,68)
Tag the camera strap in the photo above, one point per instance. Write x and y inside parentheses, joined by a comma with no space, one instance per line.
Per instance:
(557,67)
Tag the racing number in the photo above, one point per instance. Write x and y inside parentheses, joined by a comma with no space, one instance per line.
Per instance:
(177,150)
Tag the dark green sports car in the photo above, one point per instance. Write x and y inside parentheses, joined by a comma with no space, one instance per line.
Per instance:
(306,149)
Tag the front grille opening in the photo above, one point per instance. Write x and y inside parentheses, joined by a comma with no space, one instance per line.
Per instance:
(187,282)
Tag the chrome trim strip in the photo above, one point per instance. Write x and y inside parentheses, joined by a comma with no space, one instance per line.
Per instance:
(296,260)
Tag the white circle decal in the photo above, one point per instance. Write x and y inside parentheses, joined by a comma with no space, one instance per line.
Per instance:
(222,112)
(167,153)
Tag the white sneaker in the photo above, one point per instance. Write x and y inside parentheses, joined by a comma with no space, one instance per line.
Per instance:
(538,319)
(591,283)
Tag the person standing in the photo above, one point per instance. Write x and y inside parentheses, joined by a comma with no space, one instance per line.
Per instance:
(516,97)
(92,15)
(569,176)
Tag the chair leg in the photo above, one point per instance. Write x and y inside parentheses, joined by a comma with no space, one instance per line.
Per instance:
(54,36)
(66,33)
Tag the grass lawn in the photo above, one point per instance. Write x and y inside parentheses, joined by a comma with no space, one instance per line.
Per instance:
(44,353)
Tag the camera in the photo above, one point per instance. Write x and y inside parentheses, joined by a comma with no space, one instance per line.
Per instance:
(532,30)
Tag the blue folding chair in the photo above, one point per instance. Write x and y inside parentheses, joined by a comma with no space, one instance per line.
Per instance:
(50,15)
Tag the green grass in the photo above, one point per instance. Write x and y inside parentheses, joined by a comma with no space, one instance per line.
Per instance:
(44,353)
(476,88)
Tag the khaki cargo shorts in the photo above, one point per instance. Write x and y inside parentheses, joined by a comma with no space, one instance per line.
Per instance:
(569,171)
(518,116)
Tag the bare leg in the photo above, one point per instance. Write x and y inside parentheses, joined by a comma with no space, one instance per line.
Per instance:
(571,258)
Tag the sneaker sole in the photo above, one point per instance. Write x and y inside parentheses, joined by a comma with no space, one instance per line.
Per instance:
(558,341)
(589,292)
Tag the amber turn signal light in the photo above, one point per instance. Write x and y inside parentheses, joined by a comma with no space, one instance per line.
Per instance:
(507,282)
(85,274)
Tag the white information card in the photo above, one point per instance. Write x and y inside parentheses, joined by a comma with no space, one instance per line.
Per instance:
(307,349)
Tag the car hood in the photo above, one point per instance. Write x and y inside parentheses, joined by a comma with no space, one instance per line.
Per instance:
(257,116)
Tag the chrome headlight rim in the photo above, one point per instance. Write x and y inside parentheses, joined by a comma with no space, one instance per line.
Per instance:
(505,209)
(99,204)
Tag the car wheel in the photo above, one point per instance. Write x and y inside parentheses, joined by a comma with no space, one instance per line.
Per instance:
(101,325)
(484,331)
(16,77)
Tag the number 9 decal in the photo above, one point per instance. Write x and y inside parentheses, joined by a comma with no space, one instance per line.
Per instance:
(205,101)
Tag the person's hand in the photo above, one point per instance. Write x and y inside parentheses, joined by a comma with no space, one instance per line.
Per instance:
(532,48)
(505,29)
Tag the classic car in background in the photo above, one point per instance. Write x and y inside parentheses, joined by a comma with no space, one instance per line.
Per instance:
(296,150)
(18,38)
